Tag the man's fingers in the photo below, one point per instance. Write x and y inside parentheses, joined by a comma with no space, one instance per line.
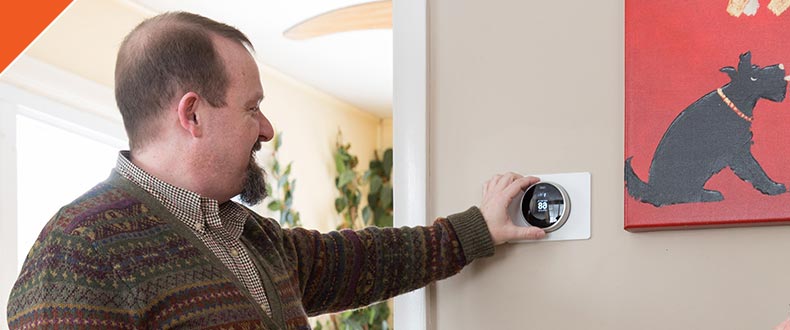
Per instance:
(510,232)
(519,185)
(531,233)
(504,181)
(501,181)
(510,177)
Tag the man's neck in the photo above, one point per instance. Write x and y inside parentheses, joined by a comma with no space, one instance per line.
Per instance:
(163,166)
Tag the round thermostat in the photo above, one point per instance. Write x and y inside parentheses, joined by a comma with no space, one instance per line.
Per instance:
(546,205)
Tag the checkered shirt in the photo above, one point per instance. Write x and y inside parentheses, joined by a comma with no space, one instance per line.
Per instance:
(217,226)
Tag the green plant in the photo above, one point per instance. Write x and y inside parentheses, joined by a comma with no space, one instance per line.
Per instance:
(378,212)
(373,317)
(347,183)
(281,199)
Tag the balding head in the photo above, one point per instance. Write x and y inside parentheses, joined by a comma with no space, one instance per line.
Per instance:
(163,58)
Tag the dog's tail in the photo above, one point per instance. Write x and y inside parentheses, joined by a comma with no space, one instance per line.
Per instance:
(637,188)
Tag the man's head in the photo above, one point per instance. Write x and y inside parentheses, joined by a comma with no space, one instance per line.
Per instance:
(189,88)
(163,56)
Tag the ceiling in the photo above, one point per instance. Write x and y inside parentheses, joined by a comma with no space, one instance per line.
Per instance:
(355,67)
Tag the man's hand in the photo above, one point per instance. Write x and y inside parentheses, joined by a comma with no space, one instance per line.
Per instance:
(498,192)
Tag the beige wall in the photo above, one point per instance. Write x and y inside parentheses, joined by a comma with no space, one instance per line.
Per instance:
(385,134)
(502,70)
(85,38)
(310,121)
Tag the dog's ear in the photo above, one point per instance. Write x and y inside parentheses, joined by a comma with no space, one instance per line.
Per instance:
(730,71)
(745,64)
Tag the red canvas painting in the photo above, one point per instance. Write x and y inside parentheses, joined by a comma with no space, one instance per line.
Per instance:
(707,121)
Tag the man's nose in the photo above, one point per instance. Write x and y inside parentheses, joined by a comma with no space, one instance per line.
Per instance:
(265,130)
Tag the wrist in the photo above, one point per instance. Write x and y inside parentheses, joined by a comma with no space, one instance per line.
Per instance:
(473,233)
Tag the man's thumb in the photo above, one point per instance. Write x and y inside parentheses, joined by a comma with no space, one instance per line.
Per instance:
(531,233)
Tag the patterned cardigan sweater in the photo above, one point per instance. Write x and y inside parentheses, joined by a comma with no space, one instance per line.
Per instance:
(116,258)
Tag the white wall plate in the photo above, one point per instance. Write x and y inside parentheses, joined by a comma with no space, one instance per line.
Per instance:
(578,224)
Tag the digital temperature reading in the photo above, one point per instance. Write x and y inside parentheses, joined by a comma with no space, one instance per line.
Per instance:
(543,205)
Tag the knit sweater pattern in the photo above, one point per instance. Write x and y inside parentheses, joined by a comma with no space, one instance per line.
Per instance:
(116,258)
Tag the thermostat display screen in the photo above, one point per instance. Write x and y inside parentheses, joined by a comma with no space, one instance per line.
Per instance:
(543,205)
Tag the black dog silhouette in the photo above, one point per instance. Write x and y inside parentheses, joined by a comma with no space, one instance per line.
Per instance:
(709,135)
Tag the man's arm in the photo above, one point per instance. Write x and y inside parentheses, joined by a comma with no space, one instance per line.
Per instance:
(349,269)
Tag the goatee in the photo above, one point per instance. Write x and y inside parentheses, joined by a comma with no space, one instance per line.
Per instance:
(253,190)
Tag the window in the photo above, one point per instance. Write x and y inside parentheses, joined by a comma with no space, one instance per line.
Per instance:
(54,166)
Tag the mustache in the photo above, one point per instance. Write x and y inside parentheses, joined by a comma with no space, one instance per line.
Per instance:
(257,146)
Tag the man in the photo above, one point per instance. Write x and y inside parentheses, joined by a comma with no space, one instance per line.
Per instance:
(159,244)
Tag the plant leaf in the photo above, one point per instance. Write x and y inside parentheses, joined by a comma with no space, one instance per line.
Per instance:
(366,176)
(275,205)
(340,165)
(346,177)
(375,184)
(354,197)
(278,140)
(367,213)
(375,166)
(372,316)
(275,167)
(386,197)
(384,220)
(373,199)
(387,163)
(282,181)
(340,204)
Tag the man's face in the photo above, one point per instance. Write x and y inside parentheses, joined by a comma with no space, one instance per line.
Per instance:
(233,132)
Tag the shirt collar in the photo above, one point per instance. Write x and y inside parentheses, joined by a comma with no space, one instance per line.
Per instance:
(196,211)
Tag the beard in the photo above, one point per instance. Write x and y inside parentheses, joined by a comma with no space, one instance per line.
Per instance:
(253,189)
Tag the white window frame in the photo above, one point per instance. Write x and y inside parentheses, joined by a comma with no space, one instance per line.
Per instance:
(62,99)
(410,139)
(8,241)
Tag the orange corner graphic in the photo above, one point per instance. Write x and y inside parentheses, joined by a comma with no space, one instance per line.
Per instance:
(21,22)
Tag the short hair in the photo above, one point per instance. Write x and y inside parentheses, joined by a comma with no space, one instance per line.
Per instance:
(164,55)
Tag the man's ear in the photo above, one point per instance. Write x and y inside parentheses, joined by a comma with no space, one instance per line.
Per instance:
(187,114)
